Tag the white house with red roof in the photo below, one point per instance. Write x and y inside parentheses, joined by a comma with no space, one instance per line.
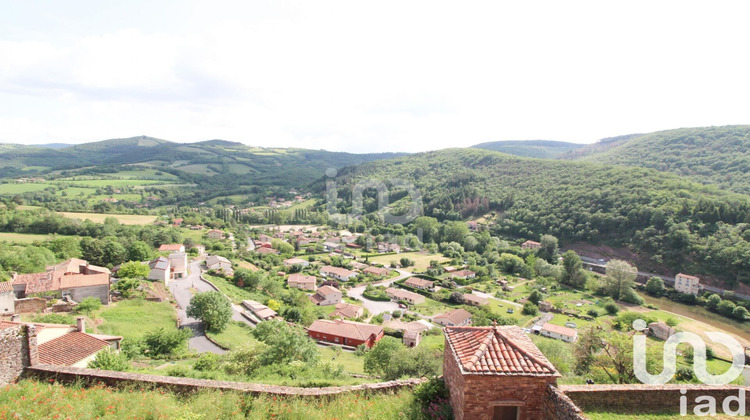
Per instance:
(559,332)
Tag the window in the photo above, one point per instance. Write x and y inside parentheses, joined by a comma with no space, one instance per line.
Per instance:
(505,412)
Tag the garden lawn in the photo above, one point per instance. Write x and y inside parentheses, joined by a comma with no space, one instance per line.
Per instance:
(236,335)
(422,261)
(133,318)
(351,362)
(234,293)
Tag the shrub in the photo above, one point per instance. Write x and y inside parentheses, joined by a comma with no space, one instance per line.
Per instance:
(207,362)
(109,359)
(593,312)
(88,305)
(161,342)
(611,308)
(530,309)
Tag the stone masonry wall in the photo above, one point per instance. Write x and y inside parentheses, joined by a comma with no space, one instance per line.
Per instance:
(483,392)
(110,378)
(647,397)
(454,381)
(15,352)
(30,305)
(559,407)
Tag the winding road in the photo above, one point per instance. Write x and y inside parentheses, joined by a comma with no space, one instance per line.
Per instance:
(373,306)
(181,290)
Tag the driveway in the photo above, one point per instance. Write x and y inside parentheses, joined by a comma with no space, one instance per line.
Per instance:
(181,290)
(373,306)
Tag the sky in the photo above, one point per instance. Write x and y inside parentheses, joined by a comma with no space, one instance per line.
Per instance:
(400,76)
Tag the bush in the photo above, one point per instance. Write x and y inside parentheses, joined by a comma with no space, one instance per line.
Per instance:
(593,312)
(611,308)
(161,342)
(207,362)
(432,400)
(53,319)
(109,359)
(88,305)
(530,309)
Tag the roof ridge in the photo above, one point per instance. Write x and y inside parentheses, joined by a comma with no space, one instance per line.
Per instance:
(481,350)
(524,351)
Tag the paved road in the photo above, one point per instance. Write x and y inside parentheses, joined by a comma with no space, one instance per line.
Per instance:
(181,290)
(373,306)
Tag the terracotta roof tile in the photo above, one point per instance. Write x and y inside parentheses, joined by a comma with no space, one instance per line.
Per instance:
(348,329)
(69,349)
(6,286)
(502,350)
(559,329)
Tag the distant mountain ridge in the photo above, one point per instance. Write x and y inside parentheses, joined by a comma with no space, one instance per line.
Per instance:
(549,149)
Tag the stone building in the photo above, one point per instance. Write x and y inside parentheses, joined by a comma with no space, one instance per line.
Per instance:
(496,373)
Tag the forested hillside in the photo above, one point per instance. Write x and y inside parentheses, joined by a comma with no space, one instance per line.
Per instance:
(676,223)
(548,149)
(710,155)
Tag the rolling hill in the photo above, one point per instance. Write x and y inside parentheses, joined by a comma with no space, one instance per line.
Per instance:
(670,221)
(549,149)
(193,161)
(710,155)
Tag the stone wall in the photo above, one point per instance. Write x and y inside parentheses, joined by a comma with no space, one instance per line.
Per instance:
(30,305)
(17,351)
(100,292)
(454,381)
(646,398)
(558,406)
(109,378)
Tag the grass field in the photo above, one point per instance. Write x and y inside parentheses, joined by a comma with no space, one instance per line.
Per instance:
(131,319)
(235,336)
(605,414)
(125,219)
(36,400)
(350,361)
(422,261)
(113,182)
(234,293)
(26,238)
(22,188)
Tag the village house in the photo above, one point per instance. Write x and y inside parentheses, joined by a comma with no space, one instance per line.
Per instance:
(179,264)
(496,373)
(463,274)
(215,234)
(347,310)
(303,282)
(74,279)
(449,269)
(545,306)
(412,338)
(338,273)
(475,300)
(401,295)
(177,222)
(67,345)
(160,270)
(377,271)
(345,333)
(684,283)
(418,283)
(264,250)
(566,334)
(531,245)
(201,249)
(172,248)
(384,247)
(358,265)
(7,298)
(219,263)
(332,246)
(296,261)
(260,310)
(326,295)
(453,318)
(661,330)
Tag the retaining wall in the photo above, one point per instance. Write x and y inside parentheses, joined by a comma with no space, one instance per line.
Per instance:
(110,378)
(642,398)
(558,406)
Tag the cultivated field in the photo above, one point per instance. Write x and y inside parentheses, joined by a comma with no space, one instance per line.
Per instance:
(125,219)
(26,238)
(422,261)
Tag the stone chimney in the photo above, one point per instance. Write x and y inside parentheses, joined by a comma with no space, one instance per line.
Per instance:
(81,324)
(15,318)
(32,344)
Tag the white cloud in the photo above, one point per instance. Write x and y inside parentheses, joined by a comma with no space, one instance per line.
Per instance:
(392,76)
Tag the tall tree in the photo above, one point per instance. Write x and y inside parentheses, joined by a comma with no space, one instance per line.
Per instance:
(212,308)
(619,279)
(548,251)
(573,273)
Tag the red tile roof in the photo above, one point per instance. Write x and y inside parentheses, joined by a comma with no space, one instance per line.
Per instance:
(559,329)
(170,247)
(502,350)
(69,349)
(417,282)
(68,274)
(6,286)
(456,316)
(348,329)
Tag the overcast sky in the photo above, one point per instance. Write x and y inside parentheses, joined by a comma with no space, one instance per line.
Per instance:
(369,76)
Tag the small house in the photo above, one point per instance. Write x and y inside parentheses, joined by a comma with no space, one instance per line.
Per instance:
(454,318)
(399,295)
(326,295)
(345,333)
(566,334)
(303,282)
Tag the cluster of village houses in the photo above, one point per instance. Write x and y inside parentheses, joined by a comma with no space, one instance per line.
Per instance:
(74,280)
